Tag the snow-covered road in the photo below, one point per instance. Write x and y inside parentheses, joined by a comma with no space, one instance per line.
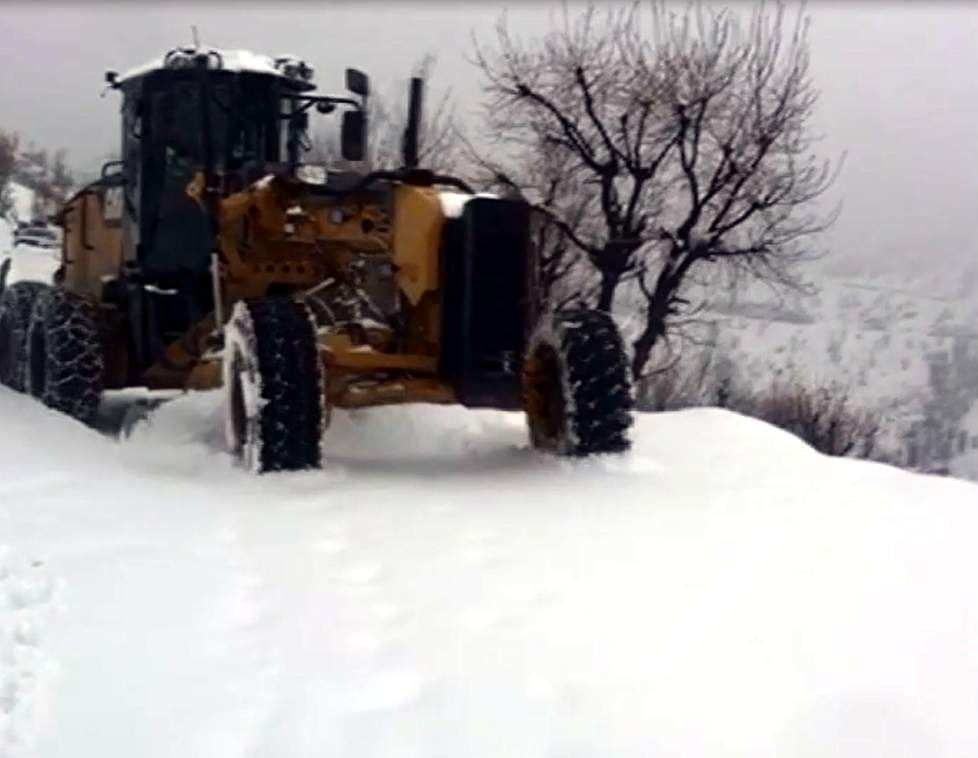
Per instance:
(440,590)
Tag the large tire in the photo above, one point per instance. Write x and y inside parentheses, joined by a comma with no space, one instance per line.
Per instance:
(16,306)
(65,365)
(274,386)
(576,388)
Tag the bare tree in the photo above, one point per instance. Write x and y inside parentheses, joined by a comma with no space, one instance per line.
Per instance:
(547,181)
(8,161)
(689,134)
(62,179)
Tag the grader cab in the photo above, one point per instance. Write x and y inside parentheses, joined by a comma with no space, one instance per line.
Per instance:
(207,257)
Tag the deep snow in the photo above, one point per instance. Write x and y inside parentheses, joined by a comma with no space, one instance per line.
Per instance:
(440,590)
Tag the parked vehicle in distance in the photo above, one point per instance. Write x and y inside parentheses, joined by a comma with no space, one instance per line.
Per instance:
(36,234)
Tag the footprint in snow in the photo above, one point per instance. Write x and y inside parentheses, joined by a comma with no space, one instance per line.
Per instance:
(385,689)
(387,611)
(479,548)
(333,541)
(26,590)
(360,575)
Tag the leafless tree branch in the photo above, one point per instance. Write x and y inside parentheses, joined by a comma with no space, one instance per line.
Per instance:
(687,133)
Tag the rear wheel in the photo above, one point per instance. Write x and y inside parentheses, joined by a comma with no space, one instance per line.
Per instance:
(65,366)
(576,389)
(274,386)
(16,305)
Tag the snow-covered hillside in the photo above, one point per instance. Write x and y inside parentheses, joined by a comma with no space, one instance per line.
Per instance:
(440,590)
(904,346)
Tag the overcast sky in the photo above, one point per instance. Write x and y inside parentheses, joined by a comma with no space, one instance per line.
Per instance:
(898,82)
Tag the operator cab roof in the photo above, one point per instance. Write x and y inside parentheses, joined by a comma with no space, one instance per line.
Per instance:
(290,69)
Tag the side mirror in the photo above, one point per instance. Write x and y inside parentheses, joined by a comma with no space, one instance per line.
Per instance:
(108,166)
(357,82)
(353,137)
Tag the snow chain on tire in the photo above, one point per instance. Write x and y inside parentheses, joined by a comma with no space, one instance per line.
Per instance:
(16,305)
(576,388)
(274,386)
(65,367)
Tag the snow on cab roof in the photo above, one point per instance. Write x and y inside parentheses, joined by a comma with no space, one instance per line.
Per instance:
(235,61)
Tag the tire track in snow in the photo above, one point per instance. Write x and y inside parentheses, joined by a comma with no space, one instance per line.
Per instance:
(340,633)
(247,663)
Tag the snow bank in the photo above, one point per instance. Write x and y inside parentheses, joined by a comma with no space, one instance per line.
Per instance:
(28,262)
(440,590)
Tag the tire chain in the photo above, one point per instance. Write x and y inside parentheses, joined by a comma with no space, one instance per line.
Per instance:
(73,362)
(291,416)
(597,367)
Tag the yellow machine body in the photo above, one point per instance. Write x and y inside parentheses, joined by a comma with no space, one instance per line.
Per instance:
(275,234)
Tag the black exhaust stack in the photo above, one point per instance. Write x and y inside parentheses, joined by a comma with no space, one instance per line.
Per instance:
(409,146)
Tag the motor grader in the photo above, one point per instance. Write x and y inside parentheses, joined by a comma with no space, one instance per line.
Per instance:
(209,257)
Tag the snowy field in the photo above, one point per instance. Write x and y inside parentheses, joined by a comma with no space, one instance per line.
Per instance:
(442,591)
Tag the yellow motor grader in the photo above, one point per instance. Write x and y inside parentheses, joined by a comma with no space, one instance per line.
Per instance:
(208,257)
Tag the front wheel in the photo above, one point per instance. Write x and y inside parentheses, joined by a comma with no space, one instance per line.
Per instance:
(274,386)
(576,389)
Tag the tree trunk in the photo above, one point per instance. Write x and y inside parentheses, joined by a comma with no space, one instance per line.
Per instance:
(606,295)
(643,346)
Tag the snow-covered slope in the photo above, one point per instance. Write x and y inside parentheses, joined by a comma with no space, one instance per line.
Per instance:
(28,262)
(440,590)
(906,347)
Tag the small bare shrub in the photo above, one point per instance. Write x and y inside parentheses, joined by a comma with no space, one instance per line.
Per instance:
(823,416)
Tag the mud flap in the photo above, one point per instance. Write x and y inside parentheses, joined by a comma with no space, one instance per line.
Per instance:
(484,313)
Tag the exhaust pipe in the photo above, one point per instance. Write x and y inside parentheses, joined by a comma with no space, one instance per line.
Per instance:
(409,146)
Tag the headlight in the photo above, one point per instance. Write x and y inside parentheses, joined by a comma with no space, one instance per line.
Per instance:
(293,68)
(178,59)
